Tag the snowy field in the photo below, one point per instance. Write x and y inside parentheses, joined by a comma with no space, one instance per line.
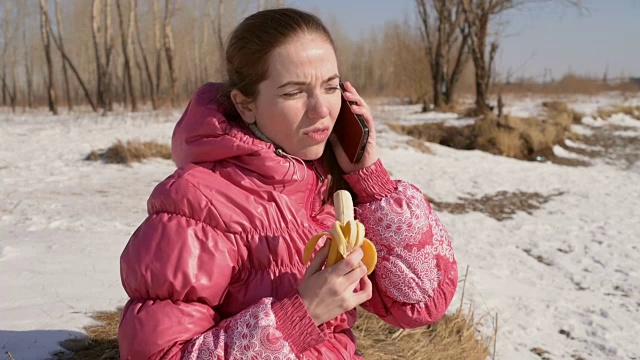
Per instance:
(563,279)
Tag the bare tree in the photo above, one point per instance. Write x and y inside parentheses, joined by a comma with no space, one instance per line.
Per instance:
(147,68)
(95,32)
(108,50)
(169,47)
(478,15)
(445,45)
(44,32)
(102,53)
(125,36)
(27,54)
(7,56)
(65,75)
(220,17)
(158,43)
(67,60)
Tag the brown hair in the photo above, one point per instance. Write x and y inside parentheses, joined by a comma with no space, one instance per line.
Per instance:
(247,62)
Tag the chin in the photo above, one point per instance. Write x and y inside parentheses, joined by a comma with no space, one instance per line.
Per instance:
(311,153)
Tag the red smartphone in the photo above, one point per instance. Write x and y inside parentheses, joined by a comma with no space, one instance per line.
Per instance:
(351,130)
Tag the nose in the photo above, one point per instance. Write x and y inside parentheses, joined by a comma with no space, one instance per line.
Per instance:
(318,107)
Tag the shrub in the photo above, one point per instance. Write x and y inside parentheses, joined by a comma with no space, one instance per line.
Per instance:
(606,112)
(520,138)
(132,150)
(509,143)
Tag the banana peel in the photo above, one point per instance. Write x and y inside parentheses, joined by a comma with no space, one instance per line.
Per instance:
(346,235)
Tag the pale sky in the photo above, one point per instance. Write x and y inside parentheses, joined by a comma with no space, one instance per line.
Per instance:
(554,37)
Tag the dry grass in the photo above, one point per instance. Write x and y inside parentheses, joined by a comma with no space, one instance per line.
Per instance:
(509,142)
(103,344)
(521,138)
(132,150)
(420,145)
(454,337)
(606,112)
(568,84)
(559,112)
(501,206)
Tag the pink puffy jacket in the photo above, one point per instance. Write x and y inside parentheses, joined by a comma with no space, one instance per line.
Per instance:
(214,269)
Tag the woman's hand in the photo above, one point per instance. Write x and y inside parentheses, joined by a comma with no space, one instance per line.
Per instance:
(370,154)
(330,292)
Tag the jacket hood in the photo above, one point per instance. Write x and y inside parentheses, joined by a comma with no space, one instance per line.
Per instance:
(204,135)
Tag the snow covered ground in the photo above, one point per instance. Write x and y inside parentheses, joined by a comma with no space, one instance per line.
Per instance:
(564,278)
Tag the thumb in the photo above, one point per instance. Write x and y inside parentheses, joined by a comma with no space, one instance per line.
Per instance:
(318,260)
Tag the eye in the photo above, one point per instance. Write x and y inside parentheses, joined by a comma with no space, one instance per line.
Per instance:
(291,94)
(332,89)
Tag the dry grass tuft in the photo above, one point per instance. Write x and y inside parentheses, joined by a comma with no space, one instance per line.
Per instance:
(453,337)
(560,113)
(419,145)
(103,340)
(132,150)
(509,142)
(606,112)
(520,138)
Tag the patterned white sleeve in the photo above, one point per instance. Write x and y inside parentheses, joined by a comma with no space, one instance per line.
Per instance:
(251,334)
(414,249)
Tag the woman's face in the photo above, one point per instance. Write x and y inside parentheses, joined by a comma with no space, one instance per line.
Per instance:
(299,101)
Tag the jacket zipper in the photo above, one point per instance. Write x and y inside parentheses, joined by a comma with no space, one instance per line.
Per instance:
(312,193)
(315,169)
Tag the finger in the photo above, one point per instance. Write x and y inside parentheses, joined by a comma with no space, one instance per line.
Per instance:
(318,260)
(349,263)
(365,292)
(361,110)
(349,86)
(353,99)
(354,276)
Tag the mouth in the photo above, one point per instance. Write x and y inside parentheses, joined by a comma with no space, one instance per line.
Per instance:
(318,133)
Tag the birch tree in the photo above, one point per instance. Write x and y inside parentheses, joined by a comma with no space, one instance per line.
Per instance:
(46,43)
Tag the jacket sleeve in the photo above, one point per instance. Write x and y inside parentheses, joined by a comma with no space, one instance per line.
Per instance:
(416,275)
(176,270)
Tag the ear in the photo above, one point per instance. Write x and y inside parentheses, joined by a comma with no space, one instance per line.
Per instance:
(245,107)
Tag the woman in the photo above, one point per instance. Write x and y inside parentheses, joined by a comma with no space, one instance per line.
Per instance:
(215,271)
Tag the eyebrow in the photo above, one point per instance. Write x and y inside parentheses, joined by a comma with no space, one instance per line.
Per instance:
(300,83)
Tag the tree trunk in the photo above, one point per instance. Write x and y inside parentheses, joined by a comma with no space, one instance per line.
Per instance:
(220,17)
(67,60)
(125,35)
(7,91)
(439,22)
(27,57)
(152,89)
(44,32)
(14,81)
(158,43)
(140,73)
(67,92)
(108,50)
(4,84)
(454,77)
(169,50)
(6,40)
(95,33)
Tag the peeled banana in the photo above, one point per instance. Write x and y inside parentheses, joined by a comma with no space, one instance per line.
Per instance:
(346,235)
